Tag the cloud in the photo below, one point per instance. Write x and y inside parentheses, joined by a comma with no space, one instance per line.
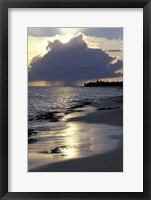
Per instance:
(37,45)
(48,31)
(36,58)
(107,32)
(114,50)
(104,43)
(72,62)
(42,31)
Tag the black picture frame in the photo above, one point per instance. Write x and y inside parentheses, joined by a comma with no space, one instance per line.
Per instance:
(4,112)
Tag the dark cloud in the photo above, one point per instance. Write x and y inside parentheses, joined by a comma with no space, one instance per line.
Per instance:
(72,62)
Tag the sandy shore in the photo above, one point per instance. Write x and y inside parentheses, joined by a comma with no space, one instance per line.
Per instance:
(107,162)
(109,112)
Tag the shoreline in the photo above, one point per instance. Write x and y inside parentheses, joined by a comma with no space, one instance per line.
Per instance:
(108,162)
(109,112)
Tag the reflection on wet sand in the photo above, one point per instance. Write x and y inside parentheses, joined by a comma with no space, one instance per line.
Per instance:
(75,141)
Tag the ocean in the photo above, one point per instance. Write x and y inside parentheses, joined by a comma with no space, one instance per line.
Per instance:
(50,99)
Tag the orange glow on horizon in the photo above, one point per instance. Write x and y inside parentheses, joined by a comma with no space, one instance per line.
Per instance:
(46,83)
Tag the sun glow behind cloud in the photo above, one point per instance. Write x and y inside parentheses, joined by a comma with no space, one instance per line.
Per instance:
(37,45)
(73,31)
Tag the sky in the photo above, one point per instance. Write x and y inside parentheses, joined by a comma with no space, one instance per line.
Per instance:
(74,56)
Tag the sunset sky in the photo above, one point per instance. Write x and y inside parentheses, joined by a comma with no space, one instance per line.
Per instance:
(73,56)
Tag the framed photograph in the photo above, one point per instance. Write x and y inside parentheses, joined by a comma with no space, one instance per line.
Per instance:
(75,99)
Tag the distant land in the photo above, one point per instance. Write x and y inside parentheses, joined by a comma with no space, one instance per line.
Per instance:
(103,83)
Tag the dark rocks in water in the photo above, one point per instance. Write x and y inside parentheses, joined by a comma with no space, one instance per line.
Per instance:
(101,108)
(45,116)
(77,110)
(31,132)
(69,111)
(58,149)
(54,119)
(56,116)
(108,108)
(87,103)
(77,106)
(117,107)
(51,116)
(32,140)
(73,108)
(61,149)
(30,119)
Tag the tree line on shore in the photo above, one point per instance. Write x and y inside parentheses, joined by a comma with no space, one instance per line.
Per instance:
(103,83)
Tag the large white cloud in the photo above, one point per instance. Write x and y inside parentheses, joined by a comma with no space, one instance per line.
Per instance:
(73,61)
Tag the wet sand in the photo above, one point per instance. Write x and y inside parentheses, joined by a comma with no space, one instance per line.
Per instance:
(107,162)
(110,111)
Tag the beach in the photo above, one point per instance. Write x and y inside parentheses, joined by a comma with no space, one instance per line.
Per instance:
(108,117)
(107,162)
(109,111)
